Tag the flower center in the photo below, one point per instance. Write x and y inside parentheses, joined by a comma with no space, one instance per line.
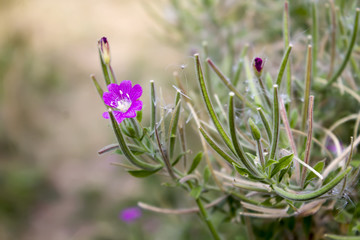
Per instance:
(123,105)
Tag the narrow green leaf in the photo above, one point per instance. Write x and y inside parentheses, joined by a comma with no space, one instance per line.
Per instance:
(174,124)
(245,172)
(98,87)
(270,162)
(217,149)
(207,174)
(310,176)
(265,122)
(195,162)
(238,149)
(293,118)
(196,192)
(229,85)
(179,157)
(284,162)
(139,115)
(125,149)
(283,65)
(276,124)
(283,172)
(254,130)
(142,173)
(305,196)
(348,51)
(332,175)
(209,105)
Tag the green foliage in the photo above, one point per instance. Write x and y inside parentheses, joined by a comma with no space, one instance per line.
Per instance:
(265,184)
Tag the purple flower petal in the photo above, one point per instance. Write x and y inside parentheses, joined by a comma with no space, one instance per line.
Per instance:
(110,99)
(106,115)
(114,88)
(125,87)
(119,116)
(137,105)
(135,92)
(130,214)
(130,113)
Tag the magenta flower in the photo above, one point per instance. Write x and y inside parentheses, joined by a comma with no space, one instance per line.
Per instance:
(130,214)
(123,98)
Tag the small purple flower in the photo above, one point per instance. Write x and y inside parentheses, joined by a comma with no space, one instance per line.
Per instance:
(104,48)
(330,145)
(130,214)
(123,98)
(258,65)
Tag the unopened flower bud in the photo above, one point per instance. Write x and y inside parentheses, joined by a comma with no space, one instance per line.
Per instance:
(104,48)
(258,65)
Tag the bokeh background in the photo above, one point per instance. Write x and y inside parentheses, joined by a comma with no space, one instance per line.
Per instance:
(53,183)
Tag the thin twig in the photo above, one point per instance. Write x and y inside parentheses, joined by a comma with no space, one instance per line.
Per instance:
(309,139)
(179,211)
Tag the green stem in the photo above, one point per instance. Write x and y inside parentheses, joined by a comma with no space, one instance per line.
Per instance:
(308,139)
(307,88)
(265,122)
(111,74)
(228,84)
(217,149)
(262,86)
(105,70)
(207,220)
(286,34)
(348,52)
(164,156)
(153,106)
(315,41)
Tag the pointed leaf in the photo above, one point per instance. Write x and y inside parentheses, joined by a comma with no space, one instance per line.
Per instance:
(195,162)
(270,162)
(318,167)
(283,163)
(195,192)
(207,174)
(139,115)
(142,173)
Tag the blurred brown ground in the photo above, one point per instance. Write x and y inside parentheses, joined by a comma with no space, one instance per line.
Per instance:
(59,129)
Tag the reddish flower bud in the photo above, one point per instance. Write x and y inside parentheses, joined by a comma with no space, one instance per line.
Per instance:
(104,48)
(258,65)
